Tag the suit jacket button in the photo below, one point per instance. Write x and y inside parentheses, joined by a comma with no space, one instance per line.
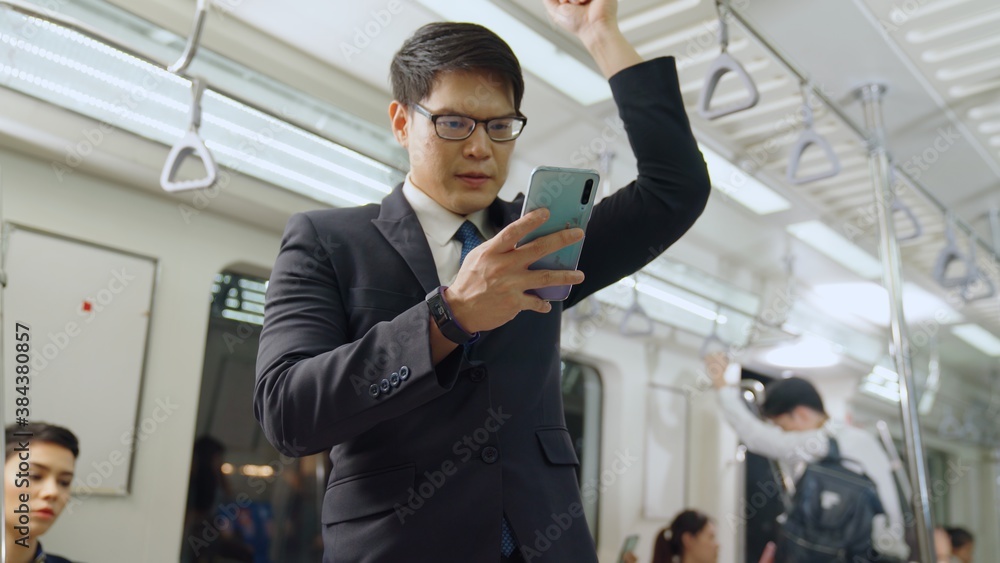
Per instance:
(404,373)
(394,379)
(384,385)
(477,374)
(490,454)
(373,391)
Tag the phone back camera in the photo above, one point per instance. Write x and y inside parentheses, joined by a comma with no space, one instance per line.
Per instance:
(587,188)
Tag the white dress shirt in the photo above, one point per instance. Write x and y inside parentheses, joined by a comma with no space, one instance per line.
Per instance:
(796,449)
(440,225)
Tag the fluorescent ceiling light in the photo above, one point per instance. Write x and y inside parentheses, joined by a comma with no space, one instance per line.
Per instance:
(978,337)
(882,382)
(879,391)
(806,352)
(742,187)
(654,15)
(537,54)
(670,298)
(835,246)
(870,301)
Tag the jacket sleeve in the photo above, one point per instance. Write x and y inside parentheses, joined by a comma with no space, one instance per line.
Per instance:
(314,386)
(768,440)
(637,223)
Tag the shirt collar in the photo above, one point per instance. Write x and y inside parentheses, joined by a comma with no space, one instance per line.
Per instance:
(438,223)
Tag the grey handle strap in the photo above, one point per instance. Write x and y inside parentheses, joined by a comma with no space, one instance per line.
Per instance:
(950,254)
(723,64)
(190,144)
(810,137)
(635,310)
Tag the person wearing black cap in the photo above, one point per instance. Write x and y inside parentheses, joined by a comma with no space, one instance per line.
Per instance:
(799,433)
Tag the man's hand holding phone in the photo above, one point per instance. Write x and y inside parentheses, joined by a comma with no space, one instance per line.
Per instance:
(490,288)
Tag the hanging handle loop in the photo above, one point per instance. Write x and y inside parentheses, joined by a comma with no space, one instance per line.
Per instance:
(635,310)
(809,136)
(723,64)
(190,144)
(979,286)
(950,254)
(899,206)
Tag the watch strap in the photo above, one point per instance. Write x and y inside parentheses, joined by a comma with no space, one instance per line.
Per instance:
(445,320)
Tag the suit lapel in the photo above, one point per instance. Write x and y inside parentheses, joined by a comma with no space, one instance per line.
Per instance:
(400,227)
(503,213)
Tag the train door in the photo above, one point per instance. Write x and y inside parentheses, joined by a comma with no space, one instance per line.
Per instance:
(245,501)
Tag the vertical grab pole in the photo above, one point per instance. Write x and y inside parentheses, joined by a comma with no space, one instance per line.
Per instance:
(892,277)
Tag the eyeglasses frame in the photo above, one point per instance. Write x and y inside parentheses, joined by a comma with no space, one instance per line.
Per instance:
(434,117)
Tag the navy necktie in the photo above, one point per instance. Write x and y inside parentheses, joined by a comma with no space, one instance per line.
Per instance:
(507,543)
(469,237)
(468,234)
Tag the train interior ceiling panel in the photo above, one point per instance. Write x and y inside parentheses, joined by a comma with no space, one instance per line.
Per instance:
(152,153)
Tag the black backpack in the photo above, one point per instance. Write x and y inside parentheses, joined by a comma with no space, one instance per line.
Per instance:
(830,517)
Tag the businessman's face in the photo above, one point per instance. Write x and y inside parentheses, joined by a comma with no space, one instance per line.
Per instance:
(46,483)
(463,176)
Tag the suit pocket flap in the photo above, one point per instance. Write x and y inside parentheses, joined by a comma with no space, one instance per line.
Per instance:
(366,494)
(374,298)
(558,446)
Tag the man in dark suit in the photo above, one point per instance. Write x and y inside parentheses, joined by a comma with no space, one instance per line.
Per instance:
(442,405)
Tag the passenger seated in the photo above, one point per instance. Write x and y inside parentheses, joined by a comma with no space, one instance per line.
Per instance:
(800,435)
(690,538)
(962,544)
(36,493)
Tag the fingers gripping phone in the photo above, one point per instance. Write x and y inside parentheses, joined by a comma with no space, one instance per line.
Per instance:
(568,194)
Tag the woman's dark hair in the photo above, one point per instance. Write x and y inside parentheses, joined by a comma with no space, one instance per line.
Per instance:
(782,396)
(960,537)
(447,46)
(669,542)
(40,432)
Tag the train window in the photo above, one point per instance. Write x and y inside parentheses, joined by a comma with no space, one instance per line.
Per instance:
(582,393)
(244,498)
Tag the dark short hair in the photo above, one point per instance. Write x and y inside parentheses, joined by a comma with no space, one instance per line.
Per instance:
(782,396)
(960,537)
(448,46)
(40,432)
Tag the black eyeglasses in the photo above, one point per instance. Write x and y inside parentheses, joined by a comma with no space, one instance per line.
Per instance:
(460,127)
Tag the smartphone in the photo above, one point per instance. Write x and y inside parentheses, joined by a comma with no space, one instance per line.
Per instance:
(627,546)
(568,194)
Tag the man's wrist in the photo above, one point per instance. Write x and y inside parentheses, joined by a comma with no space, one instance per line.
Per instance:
(610,49)
(443,316)
(599,37)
